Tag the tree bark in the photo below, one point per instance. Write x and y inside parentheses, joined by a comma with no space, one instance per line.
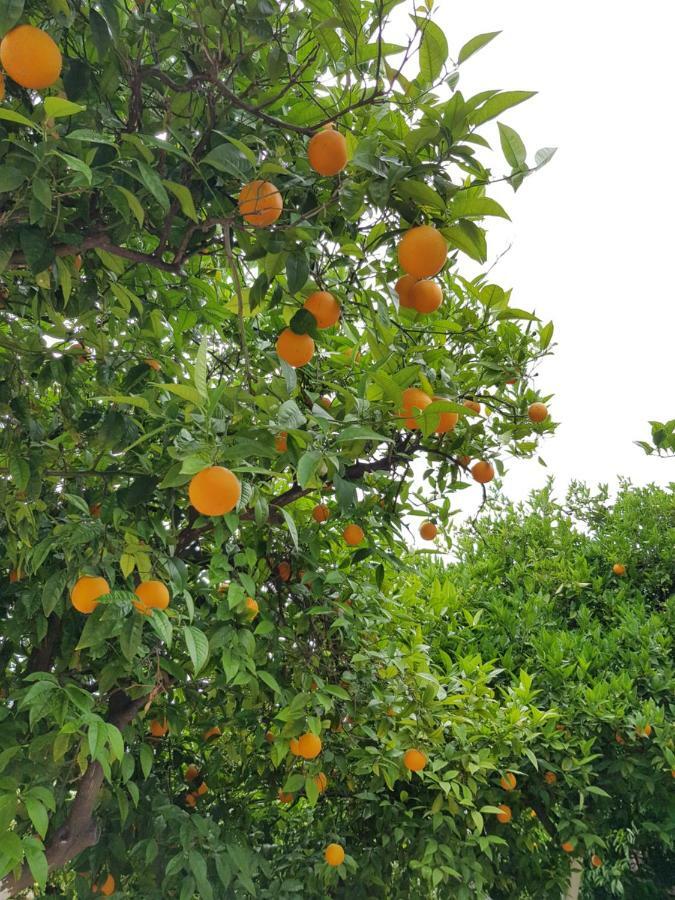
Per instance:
(573,888)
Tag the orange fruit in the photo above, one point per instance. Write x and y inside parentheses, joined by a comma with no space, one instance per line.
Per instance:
(285,797)
(473,405)
(448,420)
(14,576)
(269,737)
(321,782)
(309,745)
(202,789)
(463,461)
(505,815)
(294,746)
(428,531)
(77,262)
(508,781)
(596,862)
(483,472)
(295,349)
(284,571)
(281,442)
(30,57)
(108,886)
(422,251)
(426,296)
(644,732)
(618,738)
(211,733)
(619,569)
(550,777)
(327,151)
(159,729)
(86,591)
(403,287)
(252,607)
(320,513)
(151,595)
(326,402)
(324,307)
(95,510)
(537,412)
(414,760)
(414,401)
(334,855)
(353,535)
(191,772)
(153,364)
(260,203)
(568,847)
(214,491)
(191,800)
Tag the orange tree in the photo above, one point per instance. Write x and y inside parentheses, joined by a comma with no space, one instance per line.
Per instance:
(233,324)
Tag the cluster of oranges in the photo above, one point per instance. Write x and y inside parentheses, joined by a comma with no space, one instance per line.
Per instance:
(88,590)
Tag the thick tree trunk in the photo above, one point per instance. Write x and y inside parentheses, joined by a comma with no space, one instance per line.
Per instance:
(573,888)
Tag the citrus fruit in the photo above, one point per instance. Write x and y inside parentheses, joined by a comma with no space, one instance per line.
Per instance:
(508,781)
(327,151)
(414,760)
(202,789)
(211,733)
(285,797)
(151,595)
(537,412)
(86,592)
(281,442)
(596,862)
(324,307)
(334,855)
(414,401)
(294,746)
(426,296)
(320,513)
(158,729)
(504,815)
(550,777)
(191,772)
(191,800)
(30,57)
(568,847)
(214,491)
(108,886)
(260,203)
(619,569)
(295,349)
(447,421)
(321,782)
(353,535)
(252,607)
(422,251)
(472,405)
(309,745)
(483,472)
(152,364)
(403,287)
(428,531)
(284,571)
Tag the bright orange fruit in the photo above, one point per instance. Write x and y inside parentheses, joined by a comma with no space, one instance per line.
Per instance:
(260,203)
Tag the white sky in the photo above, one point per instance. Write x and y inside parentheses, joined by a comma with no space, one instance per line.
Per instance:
(592,232)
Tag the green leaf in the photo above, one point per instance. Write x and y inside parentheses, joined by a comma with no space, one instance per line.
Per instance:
(360,433)
(289,416)
(230,160)
(37,862)
(496,105)
(184,391)
(153,183)
(57,107)
(161,625)
(269,680)
(291,527)
(307,466)
(421,193)
(37,814)
(475,44)
(42,192)
(512,146)
(471,203)
(10,116)
(115,740)
(184,197)
(77,165)
(433,51)
(297,271)
(132,632)
(10,179)
(294,783)
(544,156)
(133,202)
(100,34)
(200,368)
(10,13)
(469,238)
(243,148)
(146,758)
(197,646)
(20,472)
(545,335)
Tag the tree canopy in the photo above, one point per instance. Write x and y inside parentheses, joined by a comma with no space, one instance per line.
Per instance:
(167,240)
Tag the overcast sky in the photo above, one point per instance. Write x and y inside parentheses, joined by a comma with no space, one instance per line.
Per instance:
(592,233)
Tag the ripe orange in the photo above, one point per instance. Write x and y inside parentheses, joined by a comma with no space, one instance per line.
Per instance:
(321,782)
(403,287)
(159,729)
(30,57)
(95,510)
(327,151)
(473,405)
(483,472)
(550,777)
(618,738)
(108,886)
(324,307)
(190,800)
(537,412)
(77,262)
(86,591)
(191,772)
(252,607)
(284,571)
(295,349)
(414,401)
(294,746)
(211,733)
(596,862)
(505,815)
(422,251)
(428,531)
(269,737)
(281,442)
(334,855)
(644,732)
(353,535)
(320,513)
(568,847)
(426,296)
(151,595)
(414,760)
(14,576)
(508,781)
(285,797)
(153,364)
(260,203)
(619,569)
(326,402)
(214,491)
(202,789)
(309,745)
(448,420)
